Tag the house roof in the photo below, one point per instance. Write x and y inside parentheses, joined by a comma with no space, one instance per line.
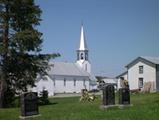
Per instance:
(124,73)
(154,60)
(110,80)
(68,69)
(145,59)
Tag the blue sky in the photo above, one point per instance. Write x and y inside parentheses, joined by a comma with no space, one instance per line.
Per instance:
(116,31)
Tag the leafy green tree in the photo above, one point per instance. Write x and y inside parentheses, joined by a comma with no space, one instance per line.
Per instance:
(21,59)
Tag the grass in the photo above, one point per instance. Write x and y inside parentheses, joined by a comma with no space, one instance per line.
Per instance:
(145,107)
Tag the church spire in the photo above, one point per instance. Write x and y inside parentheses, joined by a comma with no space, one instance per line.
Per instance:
(83,45)
(82,53)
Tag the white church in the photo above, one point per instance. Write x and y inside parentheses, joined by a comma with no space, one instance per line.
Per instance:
(64,77)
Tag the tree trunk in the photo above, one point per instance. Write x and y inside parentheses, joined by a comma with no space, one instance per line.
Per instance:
(3,84)
(2,92)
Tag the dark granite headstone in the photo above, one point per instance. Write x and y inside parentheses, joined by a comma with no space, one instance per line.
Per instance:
(108,95)
(124,96)
(29,104)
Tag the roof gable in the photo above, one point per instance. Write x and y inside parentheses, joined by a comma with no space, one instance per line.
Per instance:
(147,60)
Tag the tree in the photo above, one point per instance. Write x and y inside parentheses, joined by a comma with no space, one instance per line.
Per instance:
(21,59)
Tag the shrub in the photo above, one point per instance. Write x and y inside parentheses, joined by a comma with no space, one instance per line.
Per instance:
(43,99)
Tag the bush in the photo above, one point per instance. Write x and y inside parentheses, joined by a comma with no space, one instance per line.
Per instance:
(43,99)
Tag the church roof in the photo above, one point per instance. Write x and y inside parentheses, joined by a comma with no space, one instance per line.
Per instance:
(83,45)
(68,69)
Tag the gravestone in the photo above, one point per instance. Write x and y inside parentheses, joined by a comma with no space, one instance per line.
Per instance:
(108,95)
(29,104)
(124,96)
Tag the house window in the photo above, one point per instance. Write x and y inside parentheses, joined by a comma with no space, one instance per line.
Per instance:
(141,69)
(64,82)
(141,82)
(74,81)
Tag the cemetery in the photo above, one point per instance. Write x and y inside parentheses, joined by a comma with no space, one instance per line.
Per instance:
(30,79)
(145,107)
(110,104)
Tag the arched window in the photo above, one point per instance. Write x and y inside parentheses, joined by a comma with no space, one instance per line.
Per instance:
(82,56)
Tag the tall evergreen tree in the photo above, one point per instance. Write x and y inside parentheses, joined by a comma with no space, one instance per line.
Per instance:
(20,47)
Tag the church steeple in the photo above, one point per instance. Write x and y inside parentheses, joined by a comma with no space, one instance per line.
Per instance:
(83,45)
(82,53)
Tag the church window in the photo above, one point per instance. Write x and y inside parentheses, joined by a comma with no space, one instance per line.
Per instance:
(74,82)
(82,56)
(84,83)
(64,81)
(54,82)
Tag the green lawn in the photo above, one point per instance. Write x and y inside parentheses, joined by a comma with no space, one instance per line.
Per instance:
(145,107)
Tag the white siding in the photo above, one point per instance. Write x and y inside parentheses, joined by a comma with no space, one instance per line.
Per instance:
(69,87)
(149,74)
(44,84)
(58,86)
